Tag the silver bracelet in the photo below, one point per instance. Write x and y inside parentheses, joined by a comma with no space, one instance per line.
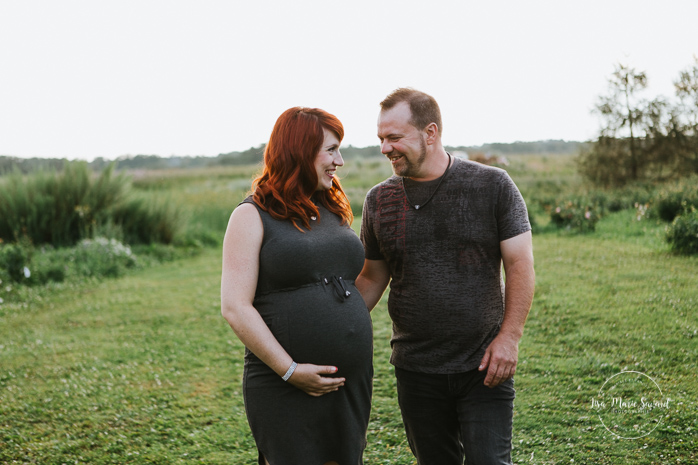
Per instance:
(290,371)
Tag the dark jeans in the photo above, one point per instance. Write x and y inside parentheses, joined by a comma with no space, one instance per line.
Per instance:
(449,416)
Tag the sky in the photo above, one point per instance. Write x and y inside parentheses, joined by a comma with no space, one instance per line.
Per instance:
(81,79)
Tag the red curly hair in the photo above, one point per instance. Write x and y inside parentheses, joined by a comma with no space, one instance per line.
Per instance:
(289,179)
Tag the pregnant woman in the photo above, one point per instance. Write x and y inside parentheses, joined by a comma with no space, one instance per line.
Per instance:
(287,289)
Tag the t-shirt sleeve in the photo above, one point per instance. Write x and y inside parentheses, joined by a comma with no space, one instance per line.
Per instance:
(368,236)
(512,215)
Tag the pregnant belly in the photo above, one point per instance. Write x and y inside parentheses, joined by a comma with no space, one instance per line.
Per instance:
(315,326)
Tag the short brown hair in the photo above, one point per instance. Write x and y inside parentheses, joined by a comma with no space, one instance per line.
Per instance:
(423,107)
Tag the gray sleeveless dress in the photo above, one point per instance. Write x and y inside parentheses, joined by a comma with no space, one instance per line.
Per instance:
(306,295)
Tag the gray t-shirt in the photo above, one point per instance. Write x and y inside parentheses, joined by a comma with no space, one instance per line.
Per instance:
(446,294)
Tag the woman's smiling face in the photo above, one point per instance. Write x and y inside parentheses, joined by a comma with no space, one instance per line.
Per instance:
(327,161)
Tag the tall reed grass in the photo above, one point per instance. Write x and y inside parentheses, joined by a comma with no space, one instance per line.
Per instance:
(61,208)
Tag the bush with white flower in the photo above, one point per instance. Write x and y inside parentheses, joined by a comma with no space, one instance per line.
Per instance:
(574,216)
(14,259)
(102,257)
(23,263)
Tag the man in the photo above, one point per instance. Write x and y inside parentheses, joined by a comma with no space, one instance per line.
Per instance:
(439,232)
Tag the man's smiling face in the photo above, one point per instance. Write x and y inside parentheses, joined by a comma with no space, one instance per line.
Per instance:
(401,142)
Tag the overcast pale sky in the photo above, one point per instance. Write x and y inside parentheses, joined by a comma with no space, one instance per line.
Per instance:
(82,78)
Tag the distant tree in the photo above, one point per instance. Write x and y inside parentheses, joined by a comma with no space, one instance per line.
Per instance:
(599,161)
(687,92)
(99,163)
(557,147)
(640,139)
(672,130)
(622,109)
(687,123)
(349,152)
(141,162)
(250,156)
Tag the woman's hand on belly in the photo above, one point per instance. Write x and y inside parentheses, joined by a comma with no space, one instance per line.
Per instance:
(313,379)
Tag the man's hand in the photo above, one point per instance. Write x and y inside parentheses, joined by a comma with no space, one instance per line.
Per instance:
(500,360)
(502,355)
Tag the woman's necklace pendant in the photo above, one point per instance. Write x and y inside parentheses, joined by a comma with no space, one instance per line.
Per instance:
(416,207)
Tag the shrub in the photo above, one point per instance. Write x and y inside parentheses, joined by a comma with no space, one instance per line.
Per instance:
(197,236)
(682,234)
(90,258)
(669,205)
(675,199)
(605,162)
(96,258)
(14,259)
(627,197)
(147,219)
(64,208)
(575,216)
(57,208)
(102,257)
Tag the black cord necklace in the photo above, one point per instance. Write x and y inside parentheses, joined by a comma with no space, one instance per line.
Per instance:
(417,207)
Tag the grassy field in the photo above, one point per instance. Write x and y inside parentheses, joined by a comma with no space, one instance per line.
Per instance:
(143,369)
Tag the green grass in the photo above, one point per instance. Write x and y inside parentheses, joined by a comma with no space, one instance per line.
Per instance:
(137,370)
(606,304)
(143,369)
